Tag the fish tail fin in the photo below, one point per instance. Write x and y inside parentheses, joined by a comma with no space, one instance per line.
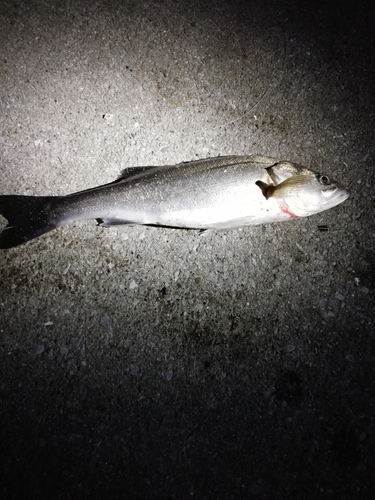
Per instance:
(28,217)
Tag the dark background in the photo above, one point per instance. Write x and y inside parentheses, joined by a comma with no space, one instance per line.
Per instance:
(153,363)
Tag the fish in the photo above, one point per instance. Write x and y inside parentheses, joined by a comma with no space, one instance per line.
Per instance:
(215,194)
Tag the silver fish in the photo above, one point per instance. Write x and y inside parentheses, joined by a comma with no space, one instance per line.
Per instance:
(216,193)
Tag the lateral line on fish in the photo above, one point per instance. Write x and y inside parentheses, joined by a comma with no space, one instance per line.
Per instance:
(219,193)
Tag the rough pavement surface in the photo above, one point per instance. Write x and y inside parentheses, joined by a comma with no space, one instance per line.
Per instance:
(159,364)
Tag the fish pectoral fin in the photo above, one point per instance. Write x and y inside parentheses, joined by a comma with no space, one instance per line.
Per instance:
(112,222)
(290,187)
(266,189)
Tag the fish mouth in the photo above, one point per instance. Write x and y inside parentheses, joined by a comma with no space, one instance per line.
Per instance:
(336,196)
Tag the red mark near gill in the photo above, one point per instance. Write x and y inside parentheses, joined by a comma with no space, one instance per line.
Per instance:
(286,210)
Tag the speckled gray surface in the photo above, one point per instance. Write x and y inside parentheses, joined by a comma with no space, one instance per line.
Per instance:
(152,363)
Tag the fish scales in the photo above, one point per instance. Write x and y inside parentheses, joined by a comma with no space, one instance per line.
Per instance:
(197,195)
(216,193)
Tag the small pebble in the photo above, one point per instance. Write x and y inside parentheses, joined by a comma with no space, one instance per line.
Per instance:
(77,342)
(105,321)
(39,350)
(132,285)
(134,368)
(66,269)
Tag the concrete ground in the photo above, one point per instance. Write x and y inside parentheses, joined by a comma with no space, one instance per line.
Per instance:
(146,363)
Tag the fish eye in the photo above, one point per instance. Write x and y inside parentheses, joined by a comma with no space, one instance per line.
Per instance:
(324,179)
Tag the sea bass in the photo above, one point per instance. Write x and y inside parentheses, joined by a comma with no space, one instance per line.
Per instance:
(220,193)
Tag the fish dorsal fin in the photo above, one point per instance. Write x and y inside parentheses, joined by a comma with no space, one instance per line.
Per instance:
(131,172)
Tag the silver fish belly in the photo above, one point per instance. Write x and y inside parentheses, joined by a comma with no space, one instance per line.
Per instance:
(215,193)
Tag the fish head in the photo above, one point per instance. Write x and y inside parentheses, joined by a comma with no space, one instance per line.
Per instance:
(303,191)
